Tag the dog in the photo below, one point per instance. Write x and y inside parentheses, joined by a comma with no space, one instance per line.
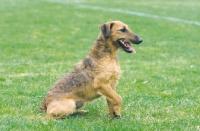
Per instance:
(96,75)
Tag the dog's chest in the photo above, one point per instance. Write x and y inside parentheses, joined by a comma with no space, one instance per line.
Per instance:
(116,70)
(110,69)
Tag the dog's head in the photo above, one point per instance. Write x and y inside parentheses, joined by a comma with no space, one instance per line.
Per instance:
(120,34)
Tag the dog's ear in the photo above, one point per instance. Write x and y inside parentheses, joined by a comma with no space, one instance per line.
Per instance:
(106,28)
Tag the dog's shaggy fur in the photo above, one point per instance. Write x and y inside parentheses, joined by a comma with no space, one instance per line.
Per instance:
(94,76)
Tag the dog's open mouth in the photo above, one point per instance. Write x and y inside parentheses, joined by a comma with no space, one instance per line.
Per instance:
(126,46)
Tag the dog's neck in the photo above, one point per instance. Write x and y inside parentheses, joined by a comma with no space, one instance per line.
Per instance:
(103,48)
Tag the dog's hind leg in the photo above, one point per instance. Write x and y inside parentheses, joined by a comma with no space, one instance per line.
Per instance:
(61,108)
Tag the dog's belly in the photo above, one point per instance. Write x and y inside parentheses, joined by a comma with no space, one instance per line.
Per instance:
(86,94)
(80,101)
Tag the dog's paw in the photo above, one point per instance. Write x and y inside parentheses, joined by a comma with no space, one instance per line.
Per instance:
(117,116)
(82,111)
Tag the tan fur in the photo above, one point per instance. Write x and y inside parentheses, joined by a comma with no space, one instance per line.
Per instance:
(94,76)
(61,108)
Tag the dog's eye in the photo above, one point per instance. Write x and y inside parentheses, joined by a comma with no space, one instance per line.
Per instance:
(123,30)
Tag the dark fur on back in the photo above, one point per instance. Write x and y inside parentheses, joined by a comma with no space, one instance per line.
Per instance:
(77,78)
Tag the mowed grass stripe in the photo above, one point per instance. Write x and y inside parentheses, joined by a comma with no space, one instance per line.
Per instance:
(122,11)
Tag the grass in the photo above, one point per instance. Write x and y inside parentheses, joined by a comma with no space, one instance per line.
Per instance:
(40,41)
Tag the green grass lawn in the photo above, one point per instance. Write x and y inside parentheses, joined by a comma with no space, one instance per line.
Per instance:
(40,41)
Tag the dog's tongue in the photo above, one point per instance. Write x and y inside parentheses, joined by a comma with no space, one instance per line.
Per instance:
(133,50)
(130,47)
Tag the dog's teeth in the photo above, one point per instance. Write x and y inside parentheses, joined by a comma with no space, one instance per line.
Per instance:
(126,45)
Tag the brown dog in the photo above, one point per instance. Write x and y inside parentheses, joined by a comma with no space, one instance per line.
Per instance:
(94,76)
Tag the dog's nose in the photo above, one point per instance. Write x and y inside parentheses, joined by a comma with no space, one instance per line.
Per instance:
(139,40)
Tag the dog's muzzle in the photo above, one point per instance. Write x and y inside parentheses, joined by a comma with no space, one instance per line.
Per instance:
(126,44)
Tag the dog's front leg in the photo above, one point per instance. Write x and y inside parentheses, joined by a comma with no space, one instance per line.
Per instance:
(113,99)
(111,108)
(111,105)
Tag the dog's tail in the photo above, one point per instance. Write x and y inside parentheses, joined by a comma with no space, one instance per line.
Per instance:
(43,106)
(61,108)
